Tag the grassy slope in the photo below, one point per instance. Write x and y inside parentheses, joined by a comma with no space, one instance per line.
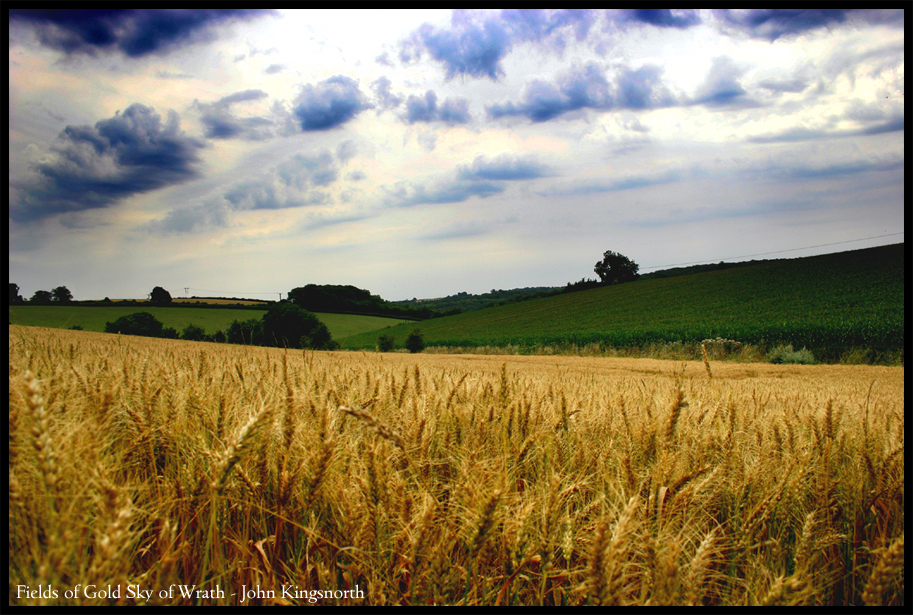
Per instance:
(343,325)
(94,318)
(849,298)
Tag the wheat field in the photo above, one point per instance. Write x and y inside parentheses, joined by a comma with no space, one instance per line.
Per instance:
(145,471)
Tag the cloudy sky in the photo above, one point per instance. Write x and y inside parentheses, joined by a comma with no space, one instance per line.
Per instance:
(424,153)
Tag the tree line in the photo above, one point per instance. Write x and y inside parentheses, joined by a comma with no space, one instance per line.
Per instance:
(61,294)
(284,325)
(339,299)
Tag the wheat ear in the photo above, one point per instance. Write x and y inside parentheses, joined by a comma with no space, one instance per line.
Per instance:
(889,565)
(241,446)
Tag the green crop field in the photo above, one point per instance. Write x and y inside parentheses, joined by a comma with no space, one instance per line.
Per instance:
(94,318)
(344,325)
(831,304)
(211,320)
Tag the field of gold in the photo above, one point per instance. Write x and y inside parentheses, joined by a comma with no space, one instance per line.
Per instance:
(177,473)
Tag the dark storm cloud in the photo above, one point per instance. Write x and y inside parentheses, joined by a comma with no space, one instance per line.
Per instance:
(96,166)
(474,45)
(133,32)
(503,168)
(329,104)
(426,109)
(585,87)
(774,23)
(771,24)
(664,18)
(221,123)
(550,26)
(475,50)
(588,87)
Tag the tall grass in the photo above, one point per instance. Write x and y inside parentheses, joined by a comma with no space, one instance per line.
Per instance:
(260,476)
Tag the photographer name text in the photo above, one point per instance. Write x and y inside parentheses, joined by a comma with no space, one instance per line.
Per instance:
(187,592)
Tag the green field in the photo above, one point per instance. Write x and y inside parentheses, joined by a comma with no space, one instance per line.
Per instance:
(831,304)
(836,305)
(211,320)
(345,325)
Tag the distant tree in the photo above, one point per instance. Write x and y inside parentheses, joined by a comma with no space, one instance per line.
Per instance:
(289,326)
(385,343)
(140,323)
(160,296)
(245,332)
(61,294)
(193,333)
(416,341)
(615,268)
(15,297)
(42,297)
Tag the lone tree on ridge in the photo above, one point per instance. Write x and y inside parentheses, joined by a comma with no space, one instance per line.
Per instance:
(61,294)
(160,296)
(615,268)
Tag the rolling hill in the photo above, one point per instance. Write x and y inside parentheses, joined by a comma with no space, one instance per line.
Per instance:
(830,304)
(93,318)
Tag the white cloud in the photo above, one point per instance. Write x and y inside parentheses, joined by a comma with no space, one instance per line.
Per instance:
(451,151)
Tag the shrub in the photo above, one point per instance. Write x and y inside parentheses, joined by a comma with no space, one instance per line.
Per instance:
(140,323)
(416,341)
(385,343)
(786,354)
(245,332)
(193,333)
(288,326)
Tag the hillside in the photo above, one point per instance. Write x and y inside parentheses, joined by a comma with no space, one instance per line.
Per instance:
(831,304)
(92,318)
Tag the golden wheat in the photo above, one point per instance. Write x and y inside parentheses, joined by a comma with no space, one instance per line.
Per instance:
(181,473)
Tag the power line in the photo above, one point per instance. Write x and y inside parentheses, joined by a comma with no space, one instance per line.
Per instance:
(821,245)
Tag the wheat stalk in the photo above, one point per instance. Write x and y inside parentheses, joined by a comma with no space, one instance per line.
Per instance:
(697,570)
(706,356)
(890,564)
(242,445)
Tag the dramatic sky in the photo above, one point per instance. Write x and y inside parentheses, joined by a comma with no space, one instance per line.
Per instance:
(424,153)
